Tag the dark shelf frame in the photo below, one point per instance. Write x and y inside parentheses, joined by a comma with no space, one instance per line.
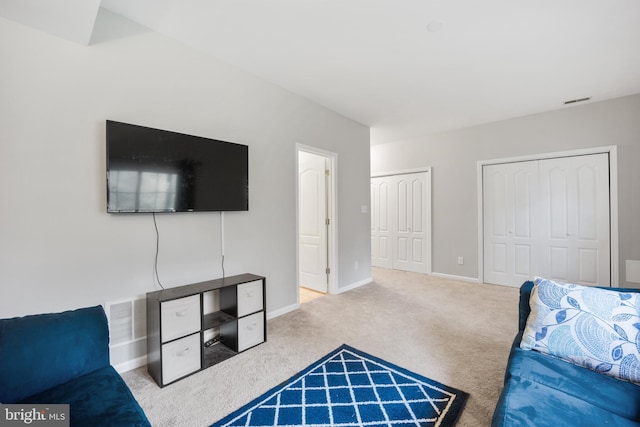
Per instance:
(216,319)
(225,319)
(215,354)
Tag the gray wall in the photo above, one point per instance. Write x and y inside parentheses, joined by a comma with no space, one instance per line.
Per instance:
(59,249)
(454,156)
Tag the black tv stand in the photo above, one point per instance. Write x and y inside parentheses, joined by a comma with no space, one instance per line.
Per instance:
(230,311)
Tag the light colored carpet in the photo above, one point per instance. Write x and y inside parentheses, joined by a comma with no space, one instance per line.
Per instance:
(457,333)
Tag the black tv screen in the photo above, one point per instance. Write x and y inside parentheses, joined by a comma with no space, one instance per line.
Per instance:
(153,170)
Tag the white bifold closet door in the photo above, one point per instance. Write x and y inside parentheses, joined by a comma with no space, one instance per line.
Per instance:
(400,222)
(547,218)
(576,232)
(381,223)
(510,198)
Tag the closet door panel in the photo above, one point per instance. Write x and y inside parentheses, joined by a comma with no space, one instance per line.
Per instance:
(575,194)
(380,223)
(401,222)
(510,193)
(410,238)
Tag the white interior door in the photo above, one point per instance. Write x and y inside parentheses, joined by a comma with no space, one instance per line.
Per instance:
(574,192)
(380,223)
(547,218)
(313,215)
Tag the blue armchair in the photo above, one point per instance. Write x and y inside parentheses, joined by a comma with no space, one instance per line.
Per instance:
(63,358)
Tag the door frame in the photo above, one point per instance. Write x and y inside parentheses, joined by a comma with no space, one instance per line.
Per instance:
(428,212)
(332,249)
(611,150)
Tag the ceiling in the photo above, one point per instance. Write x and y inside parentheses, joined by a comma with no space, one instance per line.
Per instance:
(378,63)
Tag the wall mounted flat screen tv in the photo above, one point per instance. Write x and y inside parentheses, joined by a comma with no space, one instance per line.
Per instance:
(153,170)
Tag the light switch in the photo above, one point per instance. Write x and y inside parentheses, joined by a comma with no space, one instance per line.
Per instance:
(364,209)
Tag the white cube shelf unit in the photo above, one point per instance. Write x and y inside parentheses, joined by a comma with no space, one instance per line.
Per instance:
(193,327)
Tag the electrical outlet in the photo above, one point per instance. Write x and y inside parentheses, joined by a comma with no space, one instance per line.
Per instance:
(356,265)
(460,260)
(633,271)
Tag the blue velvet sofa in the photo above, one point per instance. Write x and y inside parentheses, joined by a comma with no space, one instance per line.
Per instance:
(63,358)
(542,390)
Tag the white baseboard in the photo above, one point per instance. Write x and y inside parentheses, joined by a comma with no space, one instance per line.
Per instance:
(454,277)
(354,285)
(130,364)
(283,310)
(292,307)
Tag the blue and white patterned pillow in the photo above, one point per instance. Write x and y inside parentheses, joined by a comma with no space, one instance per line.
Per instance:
(591,327)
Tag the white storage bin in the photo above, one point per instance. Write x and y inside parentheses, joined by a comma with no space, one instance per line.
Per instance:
(250,331)
(180,358)
(180,317)
(250,298)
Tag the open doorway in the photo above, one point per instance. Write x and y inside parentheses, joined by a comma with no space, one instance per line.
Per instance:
(315,222)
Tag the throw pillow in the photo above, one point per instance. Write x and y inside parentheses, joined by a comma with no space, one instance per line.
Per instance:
(591,327)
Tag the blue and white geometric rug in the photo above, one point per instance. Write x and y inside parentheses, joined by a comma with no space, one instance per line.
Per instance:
(350,388)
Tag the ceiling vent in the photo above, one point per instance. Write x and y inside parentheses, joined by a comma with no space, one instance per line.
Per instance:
(573,101)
